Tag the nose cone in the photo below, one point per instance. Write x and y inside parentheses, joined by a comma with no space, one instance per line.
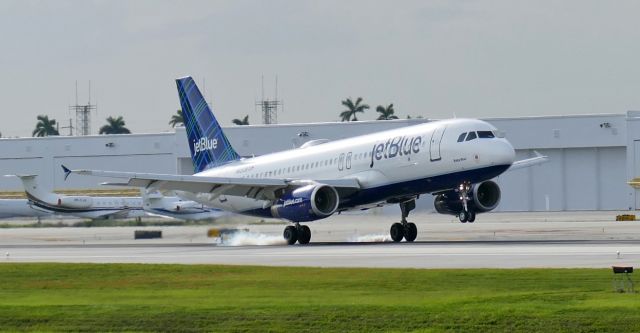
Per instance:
(502,152)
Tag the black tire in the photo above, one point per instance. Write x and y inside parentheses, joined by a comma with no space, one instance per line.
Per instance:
(463,216)
(410,232)
(304,234)
(397,232)
(472,217)
(290,235)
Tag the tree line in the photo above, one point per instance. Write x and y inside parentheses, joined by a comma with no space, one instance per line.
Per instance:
(50,127)
(116,125)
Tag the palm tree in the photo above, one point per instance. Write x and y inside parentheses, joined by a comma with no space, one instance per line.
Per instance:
(386,113)
(244,121)
(177,119)
(114,126)
(353,109)
(45,127)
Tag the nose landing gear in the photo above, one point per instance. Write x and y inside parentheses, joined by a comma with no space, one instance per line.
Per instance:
(467,214)
(404,229)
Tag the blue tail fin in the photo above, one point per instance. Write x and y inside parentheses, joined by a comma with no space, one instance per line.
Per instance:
(209,146)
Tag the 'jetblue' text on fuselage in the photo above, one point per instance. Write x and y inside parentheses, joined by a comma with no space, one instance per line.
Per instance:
(397,146)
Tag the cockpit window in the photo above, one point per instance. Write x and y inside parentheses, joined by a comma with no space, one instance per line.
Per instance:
(471,136)
(462,136)
(485,134)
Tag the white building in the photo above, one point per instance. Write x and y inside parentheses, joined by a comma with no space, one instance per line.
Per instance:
(591,157)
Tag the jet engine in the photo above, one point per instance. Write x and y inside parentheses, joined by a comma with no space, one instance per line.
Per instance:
(484,197)
(75,201)
(307,203)
(177,206)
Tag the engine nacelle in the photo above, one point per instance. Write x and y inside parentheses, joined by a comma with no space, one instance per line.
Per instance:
(178,206)
(484,197)
(307,203)
(75,202)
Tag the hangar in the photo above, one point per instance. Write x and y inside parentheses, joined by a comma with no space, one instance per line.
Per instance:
(591,157)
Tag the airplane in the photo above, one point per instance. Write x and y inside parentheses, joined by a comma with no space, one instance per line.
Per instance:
(46,202)
(156,203)
(453,159)
(91,207)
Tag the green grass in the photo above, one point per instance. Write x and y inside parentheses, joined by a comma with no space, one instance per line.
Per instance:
(85,297)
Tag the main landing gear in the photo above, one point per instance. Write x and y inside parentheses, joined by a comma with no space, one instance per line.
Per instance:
(298,233)
(404,229)
(467,214)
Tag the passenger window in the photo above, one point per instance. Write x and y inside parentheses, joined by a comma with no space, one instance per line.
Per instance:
(471,136)
(461,137)
(485,134)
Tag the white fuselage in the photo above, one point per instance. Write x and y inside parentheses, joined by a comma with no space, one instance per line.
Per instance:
(385,164)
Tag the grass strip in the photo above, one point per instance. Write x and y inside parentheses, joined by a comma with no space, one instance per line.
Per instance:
(137,297)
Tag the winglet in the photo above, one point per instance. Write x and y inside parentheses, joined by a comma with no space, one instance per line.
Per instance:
(67,172)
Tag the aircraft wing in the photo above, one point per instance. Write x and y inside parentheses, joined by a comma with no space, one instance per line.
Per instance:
(261,189)
(539,159)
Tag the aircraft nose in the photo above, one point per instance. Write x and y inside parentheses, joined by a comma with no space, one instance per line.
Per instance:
(500,152)
(505,154)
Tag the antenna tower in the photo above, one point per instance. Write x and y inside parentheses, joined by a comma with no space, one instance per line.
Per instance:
(83,114)
(269,107)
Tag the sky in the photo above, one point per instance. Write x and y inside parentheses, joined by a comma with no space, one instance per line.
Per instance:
(436,59)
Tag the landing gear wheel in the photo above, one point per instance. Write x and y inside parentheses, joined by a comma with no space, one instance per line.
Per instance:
(304,234)
(397,232)
(291,235)
(472,217)
(463,216)
(410,232)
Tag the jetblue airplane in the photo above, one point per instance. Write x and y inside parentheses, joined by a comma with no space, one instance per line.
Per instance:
(43,202)
(452,159)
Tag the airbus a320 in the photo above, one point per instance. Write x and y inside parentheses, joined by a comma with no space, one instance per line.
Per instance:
(453,159)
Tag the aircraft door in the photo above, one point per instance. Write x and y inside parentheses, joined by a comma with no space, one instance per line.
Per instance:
(434,145)
(348,163)
(341,162)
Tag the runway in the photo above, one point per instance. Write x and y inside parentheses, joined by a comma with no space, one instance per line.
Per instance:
(593,241)
(484,254)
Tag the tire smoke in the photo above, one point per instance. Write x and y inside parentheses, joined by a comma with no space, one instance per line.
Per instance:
(245,238)
(372,238)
